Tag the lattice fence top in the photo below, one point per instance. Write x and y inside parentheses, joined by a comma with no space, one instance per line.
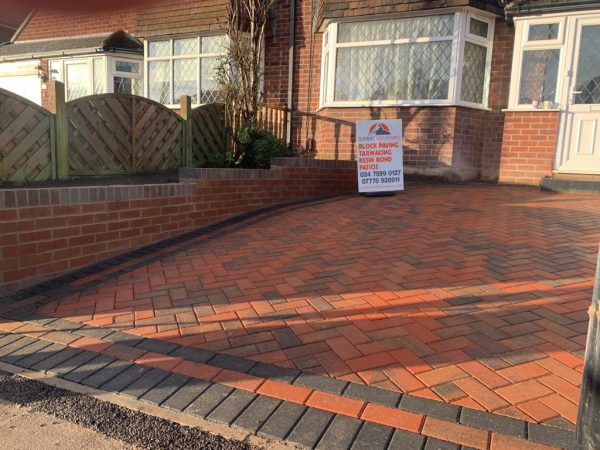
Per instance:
(115,133)
(26,144)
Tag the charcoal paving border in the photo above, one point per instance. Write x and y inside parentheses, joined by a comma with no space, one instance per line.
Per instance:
(223,404)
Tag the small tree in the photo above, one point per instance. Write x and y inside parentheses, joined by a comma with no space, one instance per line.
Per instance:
(240,73)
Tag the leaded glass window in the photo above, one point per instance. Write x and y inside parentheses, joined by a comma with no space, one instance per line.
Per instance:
(159,84)
(395,72)
(413,60)
(539,75)
(473,73)
(478,28)
(543,32)
(185,78)
(187,67)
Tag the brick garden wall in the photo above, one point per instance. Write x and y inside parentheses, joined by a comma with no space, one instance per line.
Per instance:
(44,232)
(528,146)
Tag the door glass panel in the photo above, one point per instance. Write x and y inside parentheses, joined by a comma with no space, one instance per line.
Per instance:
(588,67)
(77,80)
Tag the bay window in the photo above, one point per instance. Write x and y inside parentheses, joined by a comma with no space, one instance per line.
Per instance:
(407,61)
(184,66)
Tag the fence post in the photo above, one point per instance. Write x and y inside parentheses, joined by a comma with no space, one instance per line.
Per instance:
(587,436)
(58,106)
(186,114)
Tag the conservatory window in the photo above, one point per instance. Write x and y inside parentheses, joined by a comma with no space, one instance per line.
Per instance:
(185,66)
(411,60)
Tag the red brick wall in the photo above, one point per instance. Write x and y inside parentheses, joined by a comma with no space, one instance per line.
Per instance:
(44,232)
(528,146)
(498,99)
(277,55)
(46,24)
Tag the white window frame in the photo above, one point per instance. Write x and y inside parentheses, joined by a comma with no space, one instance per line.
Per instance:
(109,61)
(172,57)
(522,44)
(488,43)
(460,35)
(134,76)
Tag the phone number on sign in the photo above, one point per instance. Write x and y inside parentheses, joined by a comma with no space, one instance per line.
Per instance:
(381,180)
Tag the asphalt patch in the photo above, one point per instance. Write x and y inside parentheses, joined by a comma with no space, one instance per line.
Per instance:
(132,427)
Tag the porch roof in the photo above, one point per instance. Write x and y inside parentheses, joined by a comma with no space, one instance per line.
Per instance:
(119,41)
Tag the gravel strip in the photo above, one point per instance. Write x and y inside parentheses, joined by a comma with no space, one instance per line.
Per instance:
(132,427)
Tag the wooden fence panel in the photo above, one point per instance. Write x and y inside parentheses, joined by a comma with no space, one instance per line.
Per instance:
(113,133)
(26,140)
(157,136)
(208,135)
(100,135)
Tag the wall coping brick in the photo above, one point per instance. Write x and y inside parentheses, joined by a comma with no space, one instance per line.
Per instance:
(71,195)
(229,174)
(309,163)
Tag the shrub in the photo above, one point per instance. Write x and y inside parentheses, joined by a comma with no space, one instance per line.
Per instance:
(257,147)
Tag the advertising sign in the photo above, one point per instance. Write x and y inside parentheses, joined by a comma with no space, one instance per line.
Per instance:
(379,155)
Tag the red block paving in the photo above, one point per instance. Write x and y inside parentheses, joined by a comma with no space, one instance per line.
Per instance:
(473,295)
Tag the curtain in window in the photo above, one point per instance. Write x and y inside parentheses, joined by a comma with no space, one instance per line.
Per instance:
(415,71)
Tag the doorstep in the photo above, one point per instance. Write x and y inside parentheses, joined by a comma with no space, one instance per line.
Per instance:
(571,183)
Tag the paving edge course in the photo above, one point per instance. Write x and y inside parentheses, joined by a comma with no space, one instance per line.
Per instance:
(64,399)
(230,397)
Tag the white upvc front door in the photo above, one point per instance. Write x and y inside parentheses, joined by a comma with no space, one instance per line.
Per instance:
(579,138)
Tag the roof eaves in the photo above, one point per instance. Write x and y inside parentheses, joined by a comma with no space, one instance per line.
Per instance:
(53,54)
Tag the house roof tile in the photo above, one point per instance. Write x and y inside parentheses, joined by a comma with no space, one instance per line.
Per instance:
(180,17)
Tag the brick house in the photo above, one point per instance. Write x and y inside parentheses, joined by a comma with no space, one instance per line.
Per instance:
(484,91)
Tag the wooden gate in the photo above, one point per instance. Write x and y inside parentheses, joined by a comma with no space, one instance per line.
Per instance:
(209,139)
(114,133)
(26,140)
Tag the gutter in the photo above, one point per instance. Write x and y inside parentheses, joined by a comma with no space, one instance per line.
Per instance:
(535,8)
(291,56)
(58,54)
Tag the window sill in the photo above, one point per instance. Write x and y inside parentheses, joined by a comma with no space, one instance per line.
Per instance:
(401,105)
(535,110)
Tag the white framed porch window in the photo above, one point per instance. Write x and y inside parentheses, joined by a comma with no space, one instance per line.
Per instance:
(419,60)
(88,75)
(537,62)
(183,66)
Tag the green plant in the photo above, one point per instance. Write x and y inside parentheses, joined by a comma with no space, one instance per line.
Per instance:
(256,147)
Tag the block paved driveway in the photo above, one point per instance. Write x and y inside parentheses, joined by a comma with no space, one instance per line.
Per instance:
(472,295)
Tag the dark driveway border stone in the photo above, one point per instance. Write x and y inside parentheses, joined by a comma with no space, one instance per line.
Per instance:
(494,422)
(310,428)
